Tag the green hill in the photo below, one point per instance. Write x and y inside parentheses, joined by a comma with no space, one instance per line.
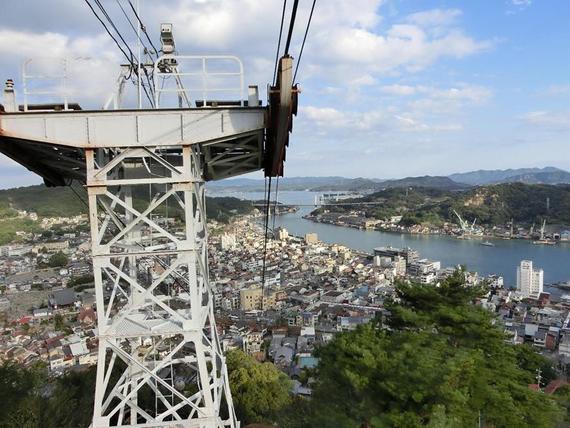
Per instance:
(63,202)
(491,205)
(45,201)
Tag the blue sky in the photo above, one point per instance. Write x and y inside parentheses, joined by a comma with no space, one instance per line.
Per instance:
(391,88)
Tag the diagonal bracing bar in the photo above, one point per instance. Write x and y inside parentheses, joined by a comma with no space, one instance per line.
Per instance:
(160,362)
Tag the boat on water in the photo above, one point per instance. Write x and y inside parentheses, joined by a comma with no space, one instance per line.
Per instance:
(544,242)
(487,244)
(562,285)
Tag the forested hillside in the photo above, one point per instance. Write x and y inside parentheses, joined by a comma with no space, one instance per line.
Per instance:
(491,205)
(67,202)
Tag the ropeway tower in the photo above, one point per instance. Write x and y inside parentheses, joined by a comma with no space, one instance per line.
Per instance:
(160,362)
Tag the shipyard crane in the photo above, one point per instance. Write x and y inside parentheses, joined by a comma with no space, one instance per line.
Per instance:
(156,327)
(464,224)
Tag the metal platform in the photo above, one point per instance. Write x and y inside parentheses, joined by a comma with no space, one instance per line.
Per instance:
(52,144)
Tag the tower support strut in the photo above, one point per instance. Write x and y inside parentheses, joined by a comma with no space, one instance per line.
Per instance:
(160,362)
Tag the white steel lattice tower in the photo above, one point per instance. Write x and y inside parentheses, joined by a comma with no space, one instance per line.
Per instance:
(160,362)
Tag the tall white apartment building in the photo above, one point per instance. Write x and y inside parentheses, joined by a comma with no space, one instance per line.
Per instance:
(530,281)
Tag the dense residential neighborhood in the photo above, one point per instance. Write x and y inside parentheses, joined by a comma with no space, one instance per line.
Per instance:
(311,291)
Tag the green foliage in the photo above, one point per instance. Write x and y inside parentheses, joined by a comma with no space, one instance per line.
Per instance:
(45,201)
(6,211)
(260,391)
(63,202)
(71,401)
(58,260)
(442,362)
(562,396)
(491,205)
(9,227)
(32,400)
(19,389)
(531,361)
(59,322)
(222,209)
(81,280)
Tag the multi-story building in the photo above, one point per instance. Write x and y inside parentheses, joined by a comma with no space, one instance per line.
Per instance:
(250,299)
(530,281)
(282,234)
(51,247)
(228,242)
(409,254)
(311,238)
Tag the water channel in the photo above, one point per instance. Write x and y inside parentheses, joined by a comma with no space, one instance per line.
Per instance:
(502,259)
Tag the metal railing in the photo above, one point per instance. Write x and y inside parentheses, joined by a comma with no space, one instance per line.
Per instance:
(169,66)
(60,90)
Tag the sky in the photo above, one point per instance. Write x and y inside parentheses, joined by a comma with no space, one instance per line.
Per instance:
(390,88)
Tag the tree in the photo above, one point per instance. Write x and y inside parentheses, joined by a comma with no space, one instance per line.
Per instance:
(59,322)
(21,403)
(441,362)
(259,390)
(58,260)
(562,395)
(30,399)
(531,361)
(71,400)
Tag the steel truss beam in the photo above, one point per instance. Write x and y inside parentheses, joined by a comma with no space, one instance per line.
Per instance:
(160,362)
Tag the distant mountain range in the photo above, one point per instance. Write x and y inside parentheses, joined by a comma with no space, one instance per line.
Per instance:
(435,182)
(547,175)
(460,181)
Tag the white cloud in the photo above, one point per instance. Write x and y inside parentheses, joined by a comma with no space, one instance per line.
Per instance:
(521,3)
(399,90)
(357,124)
(554,90)
(469,93)
(518,6)
(548,120)
(434,17)
(325,116)
(355,52)
(92,64)
(345,48)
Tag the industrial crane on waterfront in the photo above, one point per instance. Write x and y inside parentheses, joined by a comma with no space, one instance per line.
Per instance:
(466,227)
(160,360)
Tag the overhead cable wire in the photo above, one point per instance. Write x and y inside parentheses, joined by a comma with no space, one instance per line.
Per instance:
(279,42)
(78,195)
(291,26)
(143,27)
(106,15)
(268,197)
(266,230)
(304,40)
(275,203)
(129,56)
(133,27)
(129,59)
